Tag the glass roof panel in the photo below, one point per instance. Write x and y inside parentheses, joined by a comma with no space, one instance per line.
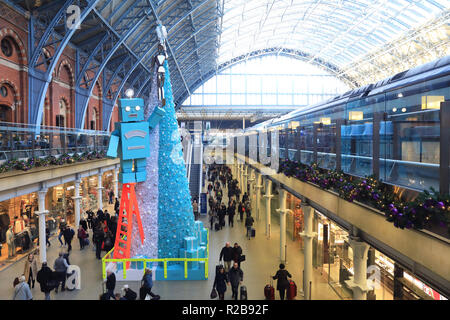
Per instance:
(336,31)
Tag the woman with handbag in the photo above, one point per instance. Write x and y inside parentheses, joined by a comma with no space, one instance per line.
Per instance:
(220,283)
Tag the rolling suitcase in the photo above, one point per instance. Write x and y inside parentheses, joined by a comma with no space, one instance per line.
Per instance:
(253,232)
(292,290)
(217,227)
(269,291)
(243,293)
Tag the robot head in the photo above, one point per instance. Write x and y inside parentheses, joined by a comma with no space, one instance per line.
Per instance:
(131,110)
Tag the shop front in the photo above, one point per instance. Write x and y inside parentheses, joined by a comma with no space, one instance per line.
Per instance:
(19,212)
(333,257)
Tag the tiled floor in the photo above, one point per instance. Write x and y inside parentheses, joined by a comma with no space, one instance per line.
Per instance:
(262,261)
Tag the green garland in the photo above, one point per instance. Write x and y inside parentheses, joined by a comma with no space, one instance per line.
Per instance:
(428,208)
(35,162)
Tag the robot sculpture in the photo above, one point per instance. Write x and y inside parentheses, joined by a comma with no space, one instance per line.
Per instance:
(130,142)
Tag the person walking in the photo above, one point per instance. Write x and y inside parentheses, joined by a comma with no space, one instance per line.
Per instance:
(241,211)
(68,236)
(47,236)
(60,267)
(82,235)
(30,270)
(222,214)
(44,277)
(111,196)
(117,206)
(231,212)
(110,284)
(99,236)
(249,223)
(83,223)
(220,283)
(62,226)
(90,217)
(195,209)
(282,280)
(22,290)
(235,276)
(147,284)
(237,254)
(227,255)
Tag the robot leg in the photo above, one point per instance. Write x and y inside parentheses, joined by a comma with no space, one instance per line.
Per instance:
(141,173)
(127,175)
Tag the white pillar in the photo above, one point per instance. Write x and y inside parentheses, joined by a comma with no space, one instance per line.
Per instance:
(258,188)
(245,180)
(116,181)
(359,282)
(99,191)
(42,234)
(268,196)
(307,236)
(282,211)
(76,200)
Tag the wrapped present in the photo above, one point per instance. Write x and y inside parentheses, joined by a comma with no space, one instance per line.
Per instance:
(203,235)
(198,226)
(190,243)
(202,252)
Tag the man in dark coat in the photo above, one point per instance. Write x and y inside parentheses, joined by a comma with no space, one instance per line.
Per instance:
(110,284)
(235,276)
(237,253)
(227,255)
(241,211)
(283,282)
(231,213)
(249,223)
(68,234)
(99,236)
(90,217)
(44,276)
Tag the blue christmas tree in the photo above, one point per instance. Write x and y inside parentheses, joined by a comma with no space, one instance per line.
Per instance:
(175,217)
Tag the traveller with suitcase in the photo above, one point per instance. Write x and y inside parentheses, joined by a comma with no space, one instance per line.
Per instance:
(249,223)
(235,276)
(283,282)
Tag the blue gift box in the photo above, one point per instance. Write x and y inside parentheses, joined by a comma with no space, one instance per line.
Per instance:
(198,226)
(190,243)
(191,254)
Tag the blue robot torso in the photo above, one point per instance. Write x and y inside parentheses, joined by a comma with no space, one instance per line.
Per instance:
(134,140)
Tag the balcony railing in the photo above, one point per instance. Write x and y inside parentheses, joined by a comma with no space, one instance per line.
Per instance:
(20,141)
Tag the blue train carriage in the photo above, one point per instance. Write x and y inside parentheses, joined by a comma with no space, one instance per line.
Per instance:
(407,109)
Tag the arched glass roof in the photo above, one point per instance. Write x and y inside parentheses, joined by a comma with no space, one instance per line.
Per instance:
(356,40)
(336,31)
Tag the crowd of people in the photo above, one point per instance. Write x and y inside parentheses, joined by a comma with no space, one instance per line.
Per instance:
(219,177)
(102,225)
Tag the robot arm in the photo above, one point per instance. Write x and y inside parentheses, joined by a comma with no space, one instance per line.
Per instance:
(113,144)
(155,117)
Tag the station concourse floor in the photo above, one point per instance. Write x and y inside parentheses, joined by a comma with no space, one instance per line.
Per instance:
(262,260)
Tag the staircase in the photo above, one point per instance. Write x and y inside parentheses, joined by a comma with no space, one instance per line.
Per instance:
(195,171)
